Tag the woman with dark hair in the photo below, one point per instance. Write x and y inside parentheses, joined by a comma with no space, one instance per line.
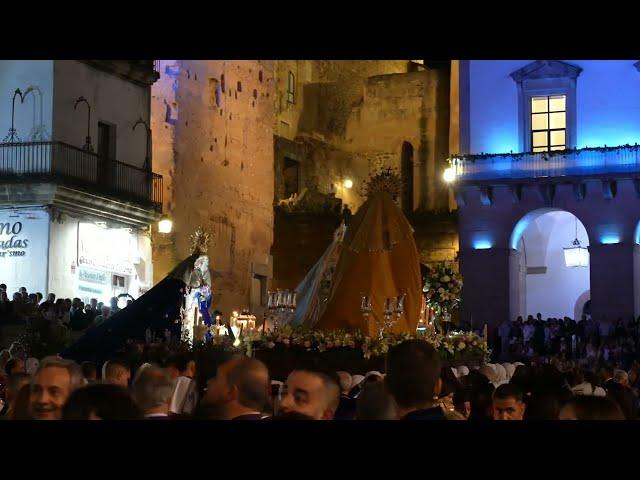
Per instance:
(523,378)
(101,402)
(462,401)
(480,399)
(450,384)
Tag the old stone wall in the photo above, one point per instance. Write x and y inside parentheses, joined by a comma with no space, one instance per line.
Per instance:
(436,236)
(349,118)
(355,116)
(217,151)
(300,240)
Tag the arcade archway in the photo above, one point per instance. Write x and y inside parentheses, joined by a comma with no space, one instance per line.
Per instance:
(543,278)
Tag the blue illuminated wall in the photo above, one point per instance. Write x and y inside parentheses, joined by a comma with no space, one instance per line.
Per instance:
(607,104)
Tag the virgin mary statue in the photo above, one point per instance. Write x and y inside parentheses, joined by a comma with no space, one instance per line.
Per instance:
(378,259)
(312,294)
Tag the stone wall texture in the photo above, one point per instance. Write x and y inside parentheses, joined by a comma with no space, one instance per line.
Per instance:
(213,142)
(223,129)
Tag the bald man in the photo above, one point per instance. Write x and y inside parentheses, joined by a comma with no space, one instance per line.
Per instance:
(314,393)
(239,391)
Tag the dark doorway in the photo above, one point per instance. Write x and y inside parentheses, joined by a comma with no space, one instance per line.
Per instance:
(106,140)
(106,153)
(406,171)
(291,174)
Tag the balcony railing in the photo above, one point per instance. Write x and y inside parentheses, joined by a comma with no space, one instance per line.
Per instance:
(567,163)
(72,166)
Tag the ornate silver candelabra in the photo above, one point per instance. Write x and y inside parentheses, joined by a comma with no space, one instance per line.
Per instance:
(393,310)
(280,307)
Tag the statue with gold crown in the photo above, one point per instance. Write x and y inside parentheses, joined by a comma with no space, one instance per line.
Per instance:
(196,318)
(378,265)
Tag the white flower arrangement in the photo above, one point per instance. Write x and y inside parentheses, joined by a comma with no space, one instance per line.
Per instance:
(454,346)
(443,287)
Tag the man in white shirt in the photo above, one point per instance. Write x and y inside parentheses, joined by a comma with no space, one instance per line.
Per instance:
(504,331)
(528,330)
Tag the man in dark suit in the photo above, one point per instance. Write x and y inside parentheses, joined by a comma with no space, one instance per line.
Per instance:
(347,406)
(413,378)
(239,391)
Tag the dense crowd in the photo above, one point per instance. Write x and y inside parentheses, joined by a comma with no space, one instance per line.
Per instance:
(162,381)
(568,370)
(50,325)
(72,313)
(586,340)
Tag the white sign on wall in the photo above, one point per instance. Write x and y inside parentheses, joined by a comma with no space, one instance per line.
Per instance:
(94,284)
(110,249)
(24,245)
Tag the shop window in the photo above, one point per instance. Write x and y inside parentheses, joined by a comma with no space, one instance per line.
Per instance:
(118,281)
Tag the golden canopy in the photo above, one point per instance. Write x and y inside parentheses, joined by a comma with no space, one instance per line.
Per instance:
(379,258)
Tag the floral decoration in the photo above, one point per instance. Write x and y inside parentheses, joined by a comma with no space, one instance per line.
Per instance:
(443,287)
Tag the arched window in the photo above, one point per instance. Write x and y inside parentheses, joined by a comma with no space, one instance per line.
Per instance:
(291,88)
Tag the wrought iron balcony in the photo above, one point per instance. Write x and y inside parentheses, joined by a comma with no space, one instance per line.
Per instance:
(71,166)
(565,163)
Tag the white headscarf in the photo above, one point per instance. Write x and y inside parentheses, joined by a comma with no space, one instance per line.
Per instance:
(373,372)
(356,380)
(501,375)
(489,372)
(510,368)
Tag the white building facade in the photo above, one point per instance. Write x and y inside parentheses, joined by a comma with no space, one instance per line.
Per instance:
(77,192)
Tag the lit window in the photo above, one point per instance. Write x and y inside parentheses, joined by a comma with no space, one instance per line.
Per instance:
(549,123)
(291,88)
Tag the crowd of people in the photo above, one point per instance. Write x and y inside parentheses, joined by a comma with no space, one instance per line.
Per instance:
(71,314)
(163,382)
(566,370)
(586,340)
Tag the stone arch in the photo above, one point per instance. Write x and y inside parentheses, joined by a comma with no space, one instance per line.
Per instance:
(541,280)
(580,304)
